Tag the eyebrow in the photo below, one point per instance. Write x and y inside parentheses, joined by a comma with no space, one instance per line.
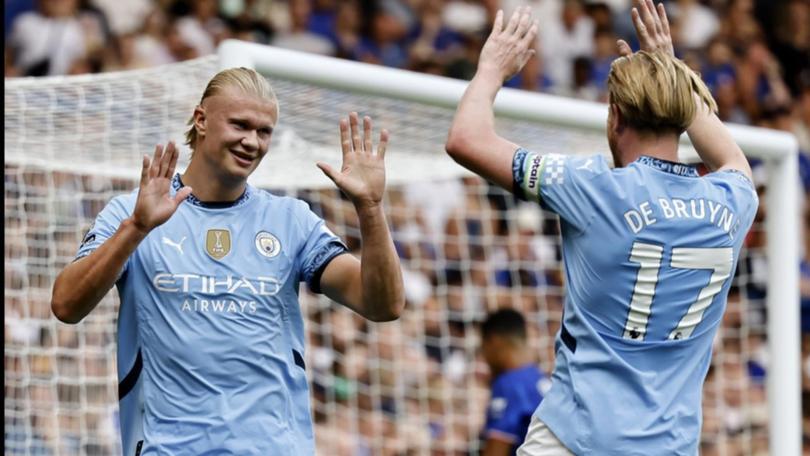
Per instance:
(247,121)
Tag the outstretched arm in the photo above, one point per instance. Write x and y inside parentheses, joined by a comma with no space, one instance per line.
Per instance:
(81,285)
(472,140)
(712,140)
(371,286)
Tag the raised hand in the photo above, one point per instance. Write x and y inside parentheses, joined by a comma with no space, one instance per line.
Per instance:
(155,204)
(652,28)
(362,176)
(508,48)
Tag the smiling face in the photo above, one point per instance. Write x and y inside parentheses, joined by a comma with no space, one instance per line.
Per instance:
(233,133)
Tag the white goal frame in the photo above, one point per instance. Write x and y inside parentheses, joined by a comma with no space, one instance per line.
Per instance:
(777,149)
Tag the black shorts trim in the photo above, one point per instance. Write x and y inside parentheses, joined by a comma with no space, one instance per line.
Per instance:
(569,340)
(129,381)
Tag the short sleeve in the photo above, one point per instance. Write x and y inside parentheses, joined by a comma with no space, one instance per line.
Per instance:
(741,195)
(504,415)
(105,225)
(562,184)
(321,245)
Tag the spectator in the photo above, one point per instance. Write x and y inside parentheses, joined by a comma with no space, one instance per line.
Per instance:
(431,39)
(718,67)
(347,28)
(49,40)
(322,17)
(203,29)
(382,41)
(697,23)
(603,56)
(151,44)
(563,41)
(179,48)
(125,16)
(521,262)
(299,37)
(250,21)
(12,9)
(760,82)
(739,27)
(791,45)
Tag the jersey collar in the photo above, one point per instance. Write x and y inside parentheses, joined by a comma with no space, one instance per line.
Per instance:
(679,169)
(177,184)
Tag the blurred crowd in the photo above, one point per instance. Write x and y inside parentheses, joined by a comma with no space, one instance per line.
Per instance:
(754,54)
(419,383)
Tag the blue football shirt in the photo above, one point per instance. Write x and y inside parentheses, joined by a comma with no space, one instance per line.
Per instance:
(210,333)
(649,253)
(514,397)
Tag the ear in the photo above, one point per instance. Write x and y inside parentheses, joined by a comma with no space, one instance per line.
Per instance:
(200,120)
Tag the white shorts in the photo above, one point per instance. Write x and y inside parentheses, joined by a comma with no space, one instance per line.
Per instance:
(540,441)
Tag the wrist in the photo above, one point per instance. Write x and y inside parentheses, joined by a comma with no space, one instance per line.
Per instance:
(489,73)
(135,226)
(368,208)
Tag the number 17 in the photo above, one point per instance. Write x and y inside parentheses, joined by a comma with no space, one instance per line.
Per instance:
(648,256)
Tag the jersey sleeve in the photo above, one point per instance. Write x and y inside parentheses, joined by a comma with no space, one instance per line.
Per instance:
(320,247)
(106,224)
(505,414)
(562,184)
(740,193)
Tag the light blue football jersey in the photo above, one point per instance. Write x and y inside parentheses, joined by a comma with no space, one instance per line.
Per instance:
(210,333)
(649,252)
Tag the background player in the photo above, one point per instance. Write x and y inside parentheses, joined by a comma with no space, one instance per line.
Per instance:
(516,382)
(210,334)
(649,247)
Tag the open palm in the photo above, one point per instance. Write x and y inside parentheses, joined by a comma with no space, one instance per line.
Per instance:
(509,47)
(652,29)
(155,204)
(362,175)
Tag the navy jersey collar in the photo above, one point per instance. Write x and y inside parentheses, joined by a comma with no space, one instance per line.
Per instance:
(679,169)
(177,184)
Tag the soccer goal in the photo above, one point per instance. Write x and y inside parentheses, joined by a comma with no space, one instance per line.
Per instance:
(417,385)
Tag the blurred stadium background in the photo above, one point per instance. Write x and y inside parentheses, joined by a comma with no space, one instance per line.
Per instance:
(417,386)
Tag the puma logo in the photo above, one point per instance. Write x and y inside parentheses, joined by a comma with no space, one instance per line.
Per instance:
(177,245)
(587,165)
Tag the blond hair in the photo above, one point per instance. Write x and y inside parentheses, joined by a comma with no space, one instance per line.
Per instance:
(656,92)
(246,80)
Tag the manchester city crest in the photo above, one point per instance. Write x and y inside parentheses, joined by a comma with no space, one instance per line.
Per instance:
(267,244)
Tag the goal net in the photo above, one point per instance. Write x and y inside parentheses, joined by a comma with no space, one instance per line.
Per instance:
(414,386)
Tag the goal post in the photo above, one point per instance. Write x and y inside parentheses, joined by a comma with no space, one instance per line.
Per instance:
(777,149)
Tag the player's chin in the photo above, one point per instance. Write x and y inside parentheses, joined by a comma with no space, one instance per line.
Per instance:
(241,173)
(241,165)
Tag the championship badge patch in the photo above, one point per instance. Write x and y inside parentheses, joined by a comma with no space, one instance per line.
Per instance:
(218,243)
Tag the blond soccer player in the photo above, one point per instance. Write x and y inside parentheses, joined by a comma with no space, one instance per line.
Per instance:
(649,246)
(210,332)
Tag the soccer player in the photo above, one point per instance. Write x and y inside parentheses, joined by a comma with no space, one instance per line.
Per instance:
(516,386)
(649,247)
(210,333)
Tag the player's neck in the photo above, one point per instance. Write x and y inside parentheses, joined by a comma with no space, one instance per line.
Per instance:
(513,360)
(635,145)
(209,186)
